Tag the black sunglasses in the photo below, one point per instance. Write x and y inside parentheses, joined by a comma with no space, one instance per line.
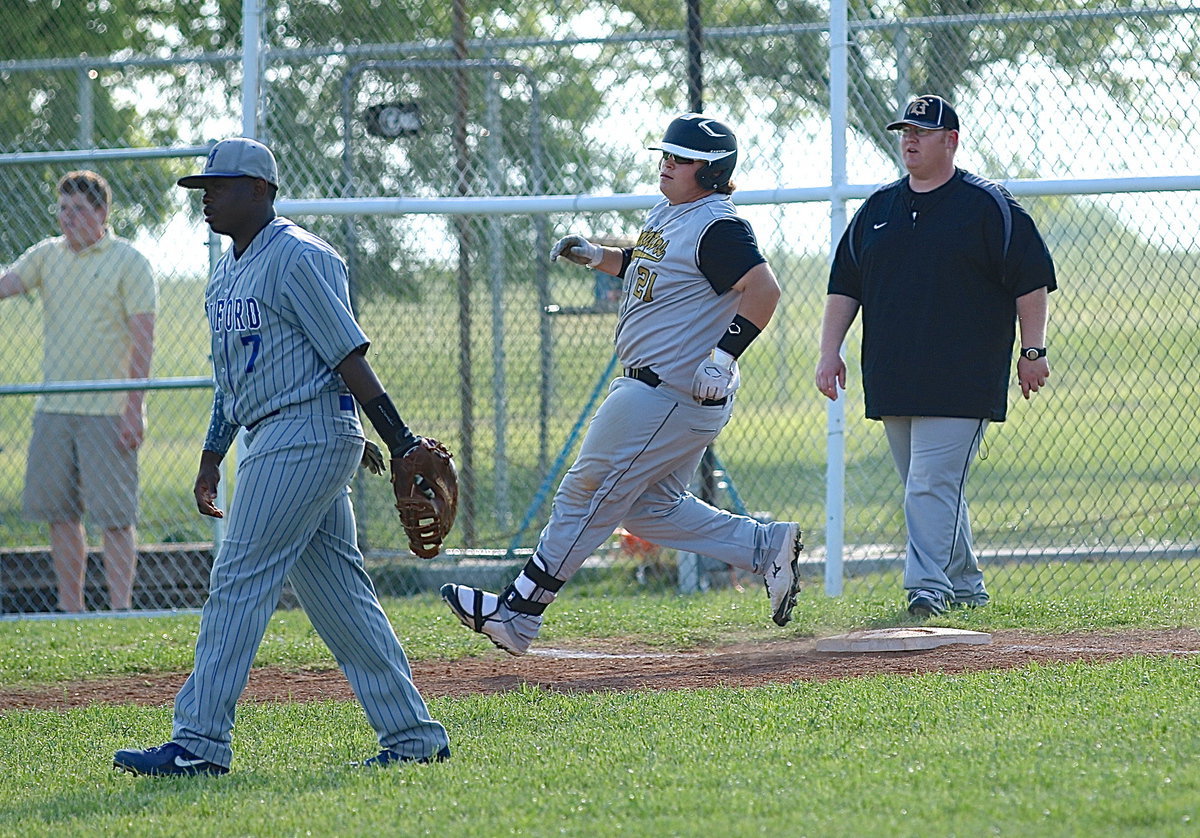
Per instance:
(681,161)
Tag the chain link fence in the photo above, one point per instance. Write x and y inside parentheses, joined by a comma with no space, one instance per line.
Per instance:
(1088,110)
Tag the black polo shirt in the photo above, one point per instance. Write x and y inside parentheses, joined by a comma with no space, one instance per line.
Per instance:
(937,275)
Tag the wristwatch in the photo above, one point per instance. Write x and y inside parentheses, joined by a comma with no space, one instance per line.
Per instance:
(1033,352)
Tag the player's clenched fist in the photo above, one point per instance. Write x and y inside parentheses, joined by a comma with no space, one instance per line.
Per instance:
(205,488)
(717,377)
(578,250)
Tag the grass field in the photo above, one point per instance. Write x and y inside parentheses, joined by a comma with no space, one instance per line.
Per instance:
(1063,750)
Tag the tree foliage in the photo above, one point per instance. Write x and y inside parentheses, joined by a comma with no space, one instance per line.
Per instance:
(64,87)
(949,47)
(537,125)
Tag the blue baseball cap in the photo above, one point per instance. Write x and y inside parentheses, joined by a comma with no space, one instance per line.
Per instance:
(236,157)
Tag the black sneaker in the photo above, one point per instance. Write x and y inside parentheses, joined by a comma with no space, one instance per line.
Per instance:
(925,604)
(169,760)
(390,757)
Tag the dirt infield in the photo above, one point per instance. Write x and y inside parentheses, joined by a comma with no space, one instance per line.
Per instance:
(596,668)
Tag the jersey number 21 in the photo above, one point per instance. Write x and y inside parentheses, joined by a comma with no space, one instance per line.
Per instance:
(643,284)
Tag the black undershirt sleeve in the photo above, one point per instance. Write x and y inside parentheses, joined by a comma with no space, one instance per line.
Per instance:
(727,251)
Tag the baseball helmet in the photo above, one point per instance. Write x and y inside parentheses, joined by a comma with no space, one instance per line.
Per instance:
(699,137)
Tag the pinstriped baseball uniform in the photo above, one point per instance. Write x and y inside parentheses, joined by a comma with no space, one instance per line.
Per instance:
(281,321)
(644,443)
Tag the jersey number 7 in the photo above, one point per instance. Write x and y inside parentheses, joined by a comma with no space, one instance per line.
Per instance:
(256,342)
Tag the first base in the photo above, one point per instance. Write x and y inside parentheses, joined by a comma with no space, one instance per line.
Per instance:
(901,639)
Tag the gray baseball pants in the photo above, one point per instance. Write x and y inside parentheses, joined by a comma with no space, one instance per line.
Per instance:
(634,467)
(933,455)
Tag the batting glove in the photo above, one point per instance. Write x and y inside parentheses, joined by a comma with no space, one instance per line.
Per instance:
(372,458)
(578,250)
(717,377)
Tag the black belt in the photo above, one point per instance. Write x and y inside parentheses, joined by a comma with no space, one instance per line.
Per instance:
(256,422)
(649,376)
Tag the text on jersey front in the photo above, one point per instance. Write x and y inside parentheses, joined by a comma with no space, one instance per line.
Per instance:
(236,314)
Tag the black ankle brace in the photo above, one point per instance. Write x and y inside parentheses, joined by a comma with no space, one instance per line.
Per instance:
(513,601)
(534,573)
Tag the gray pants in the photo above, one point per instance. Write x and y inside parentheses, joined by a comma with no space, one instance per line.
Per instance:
(633,469)
(933,455)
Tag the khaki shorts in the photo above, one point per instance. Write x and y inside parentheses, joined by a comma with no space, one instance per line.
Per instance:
(75,466)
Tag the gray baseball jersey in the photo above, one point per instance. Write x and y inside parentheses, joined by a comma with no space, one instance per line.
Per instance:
(281,321)
(644,443)
(670,316)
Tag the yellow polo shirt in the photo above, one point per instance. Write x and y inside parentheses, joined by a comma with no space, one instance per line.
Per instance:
(87,300)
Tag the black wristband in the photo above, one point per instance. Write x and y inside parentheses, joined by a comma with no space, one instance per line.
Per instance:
(626,258)
(390,427)
(740,334)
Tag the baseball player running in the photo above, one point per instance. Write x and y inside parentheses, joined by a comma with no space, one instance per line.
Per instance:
(288,355)
(697,292)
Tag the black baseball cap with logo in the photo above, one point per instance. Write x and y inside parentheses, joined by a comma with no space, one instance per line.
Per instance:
(927,111)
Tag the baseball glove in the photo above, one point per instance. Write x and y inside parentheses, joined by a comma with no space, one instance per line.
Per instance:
(426,485)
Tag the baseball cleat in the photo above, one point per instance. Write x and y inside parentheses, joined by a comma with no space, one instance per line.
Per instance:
(925,604)
(782,577)
(169,760)
(483,612)
(390,757)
